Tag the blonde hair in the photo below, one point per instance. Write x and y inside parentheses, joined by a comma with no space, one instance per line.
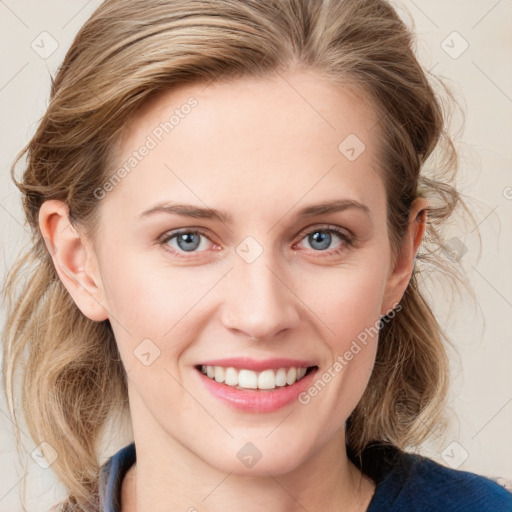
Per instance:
(128,52)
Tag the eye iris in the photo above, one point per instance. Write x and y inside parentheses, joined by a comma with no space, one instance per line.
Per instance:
(190,241)
(323,237)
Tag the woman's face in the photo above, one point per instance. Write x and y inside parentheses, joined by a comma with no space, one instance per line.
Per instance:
(260,280)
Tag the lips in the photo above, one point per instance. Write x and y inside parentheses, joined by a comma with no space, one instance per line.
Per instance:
(257,400)
(256,385)
(249,379)
(241,363)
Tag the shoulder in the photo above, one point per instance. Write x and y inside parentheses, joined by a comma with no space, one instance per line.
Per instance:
(407,481)
(454,489)
(112,474)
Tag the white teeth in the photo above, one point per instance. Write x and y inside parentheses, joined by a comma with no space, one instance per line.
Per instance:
(267,380)
(231,377)
(281,377)
(249,379)
(291,376)
(219,374)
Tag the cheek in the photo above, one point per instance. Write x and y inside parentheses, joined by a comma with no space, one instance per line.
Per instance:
(157,303)
(142,304)
(348,303)
(346,300)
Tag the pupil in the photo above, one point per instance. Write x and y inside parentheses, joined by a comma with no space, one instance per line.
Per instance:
(189,243)
(325,239)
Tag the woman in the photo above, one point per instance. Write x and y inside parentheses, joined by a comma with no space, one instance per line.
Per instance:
(227,209)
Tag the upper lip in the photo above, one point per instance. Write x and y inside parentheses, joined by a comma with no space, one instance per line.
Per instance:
(258,365)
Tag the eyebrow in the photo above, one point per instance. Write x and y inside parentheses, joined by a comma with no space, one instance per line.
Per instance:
(196,212)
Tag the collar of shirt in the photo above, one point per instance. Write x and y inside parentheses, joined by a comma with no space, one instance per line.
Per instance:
(404,482)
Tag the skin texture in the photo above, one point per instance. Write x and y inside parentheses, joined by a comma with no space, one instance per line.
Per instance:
(260,151)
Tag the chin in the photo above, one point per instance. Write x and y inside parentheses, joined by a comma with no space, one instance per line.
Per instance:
(258,459)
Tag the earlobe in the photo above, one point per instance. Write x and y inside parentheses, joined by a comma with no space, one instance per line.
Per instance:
(73,259)
(401,274)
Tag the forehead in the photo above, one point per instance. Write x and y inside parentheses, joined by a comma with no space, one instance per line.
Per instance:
(279,138)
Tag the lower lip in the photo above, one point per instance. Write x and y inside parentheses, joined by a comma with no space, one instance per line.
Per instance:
(257,400)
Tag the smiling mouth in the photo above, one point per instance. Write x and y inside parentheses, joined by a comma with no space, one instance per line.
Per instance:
(241,378)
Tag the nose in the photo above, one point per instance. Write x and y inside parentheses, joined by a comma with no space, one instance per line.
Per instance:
(259,301)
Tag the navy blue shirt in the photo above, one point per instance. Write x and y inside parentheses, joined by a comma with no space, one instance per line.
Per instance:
(405,482)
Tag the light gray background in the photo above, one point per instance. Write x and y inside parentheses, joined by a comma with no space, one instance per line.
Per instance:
(479,438)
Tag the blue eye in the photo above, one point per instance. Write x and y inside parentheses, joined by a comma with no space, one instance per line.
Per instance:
(321,238)
(191,241)
(186,241)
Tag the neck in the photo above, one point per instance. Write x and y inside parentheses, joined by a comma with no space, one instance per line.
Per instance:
(161,481)
(170,476)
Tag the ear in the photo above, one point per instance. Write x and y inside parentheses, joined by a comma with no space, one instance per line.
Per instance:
(400,275)
(73,258)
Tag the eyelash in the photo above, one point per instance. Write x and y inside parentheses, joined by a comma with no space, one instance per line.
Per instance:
(348,240)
